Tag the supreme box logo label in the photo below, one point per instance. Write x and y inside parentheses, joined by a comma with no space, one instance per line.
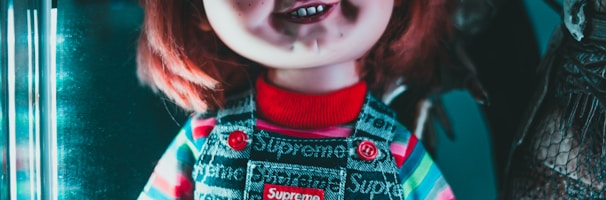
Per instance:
(281,192)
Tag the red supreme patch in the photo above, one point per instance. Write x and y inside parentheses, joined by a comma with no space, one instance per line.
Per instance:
(280,192)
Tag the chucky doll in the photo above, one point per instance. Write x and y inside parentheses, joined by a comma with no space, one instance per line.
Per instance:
(287,97)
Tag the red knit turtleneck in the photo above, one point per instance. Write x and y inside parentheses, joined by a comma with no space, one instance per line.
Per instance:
(304,111)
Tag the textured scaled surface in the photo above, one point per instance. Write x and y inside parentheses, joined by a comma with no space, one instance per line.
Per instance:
(561,153)
(574,17)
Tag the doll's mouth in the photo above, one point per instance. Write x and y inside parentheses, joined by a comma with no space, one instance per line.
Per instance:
(307,14)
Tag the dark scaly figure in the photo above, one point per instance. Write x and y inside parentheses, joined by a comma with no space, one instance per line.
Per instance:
(560,152)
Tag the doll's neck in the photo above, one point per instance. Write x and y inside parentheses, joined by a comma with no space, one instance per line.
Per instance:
(315,80)
(305,111)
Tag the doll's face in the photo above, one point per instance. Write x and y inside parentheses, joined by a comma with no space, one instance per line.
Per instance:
(299,33)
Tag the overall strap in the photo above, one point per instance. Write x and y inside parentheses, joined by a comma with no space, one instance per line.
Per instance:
(220,170)
(238,113)
(376,120)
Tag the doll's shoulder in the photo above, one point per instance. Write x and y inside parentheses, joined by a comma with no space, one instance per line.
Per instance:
(402,134)
(199,125)
(403,144)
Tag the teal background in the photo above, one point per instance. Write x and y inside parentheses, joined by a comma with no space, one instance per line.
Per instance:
(544,20)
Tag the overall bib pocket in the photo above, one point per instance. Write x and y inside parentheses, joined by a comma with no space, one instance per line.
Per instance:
(277,181)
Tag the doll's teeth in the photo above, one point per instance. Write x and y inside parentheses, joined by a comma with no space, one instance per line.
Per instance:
(320,8)
(303,12)
(311,10)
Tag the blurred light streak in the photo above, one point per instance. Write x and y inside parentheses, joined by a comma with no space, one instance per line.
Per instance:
(53,99)
(12,140)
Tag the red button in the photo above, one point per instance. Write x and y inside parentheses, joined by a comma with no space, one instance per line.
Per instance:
(367,150)
(237,140)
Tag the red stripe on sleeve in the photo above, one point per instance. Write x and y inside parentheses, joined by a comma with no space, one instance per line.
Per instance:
(165,187)
(202,128)
(399,160)
(186,187)
(412,142)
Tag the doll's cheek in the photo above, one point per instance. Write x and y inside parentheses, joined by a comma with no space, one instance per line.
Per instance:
(251,7)
(362,3)
(355,10)
(283,5)
(238,13)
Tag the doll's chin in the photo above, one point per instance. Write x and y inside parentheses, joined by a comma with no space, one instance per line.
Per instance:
(309,63)
(300,56)
(283,65)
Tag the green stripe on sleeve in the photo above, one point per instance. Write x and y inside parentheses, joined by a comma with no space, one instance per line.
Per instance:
(418,175)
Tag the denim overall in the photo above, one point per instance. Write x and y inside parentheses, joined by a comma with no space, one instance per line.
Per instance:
(239,161)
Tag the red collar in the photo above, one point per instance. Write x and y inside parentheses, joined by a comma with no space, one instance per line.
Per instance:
(304,111)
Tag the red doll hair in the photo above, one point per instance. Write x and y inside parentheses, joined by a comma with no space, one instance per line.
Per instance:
(190,65)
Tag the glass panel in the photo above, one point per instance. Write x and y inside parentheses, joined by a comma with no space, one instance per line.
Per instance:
(4,178)
(24,59)
(111,130)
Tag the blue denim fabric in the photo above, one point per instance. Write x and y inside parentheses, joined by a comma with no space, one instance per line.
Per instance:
(330,165)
